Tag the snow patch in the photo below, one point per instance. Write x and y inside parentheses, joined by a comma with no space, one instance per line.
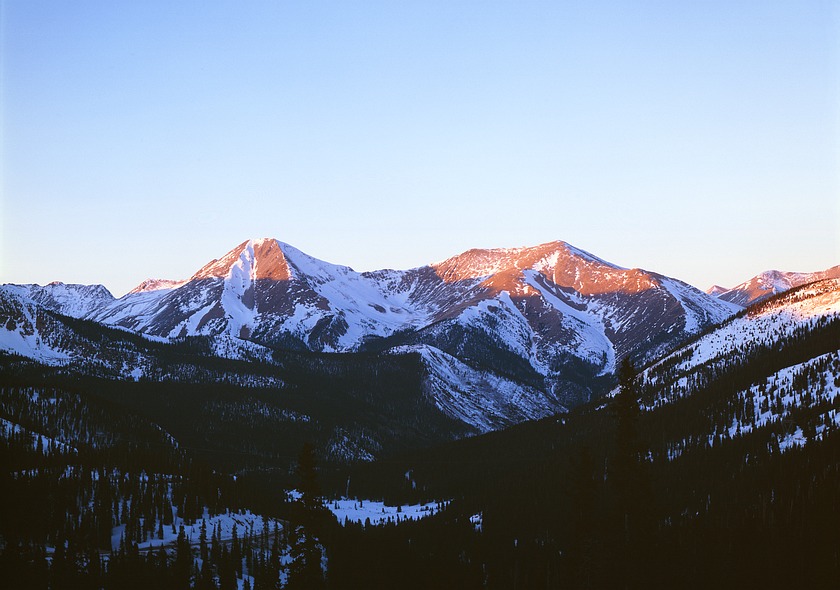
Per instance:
(375,513)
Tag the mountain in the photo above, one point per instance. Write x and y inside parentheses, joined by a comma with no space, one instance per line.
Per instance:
(267,292)
(552,318)
(768,284)
(716,290)
(560,303)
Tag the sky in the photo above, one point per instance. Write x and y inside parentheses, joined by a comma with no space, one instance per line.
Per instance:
(141,140)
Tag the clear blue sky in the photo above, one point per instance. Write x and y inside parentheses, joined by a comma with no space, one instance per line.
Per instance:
(142,139)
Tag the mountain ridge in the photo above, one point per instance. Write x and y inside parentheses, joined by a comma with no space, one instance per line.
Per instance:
(551,318)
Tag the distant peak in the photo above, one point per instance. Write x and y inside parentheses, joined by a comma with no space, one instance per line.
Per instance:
(770,282)
(94,289)
(156,285)
(774,274)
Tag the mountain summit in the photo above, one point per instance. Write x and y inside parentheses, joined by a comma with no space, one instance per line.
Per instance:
(261,259)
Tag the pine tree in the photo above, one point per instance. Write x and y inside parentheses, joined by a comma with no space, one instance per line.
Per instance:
(305,569)
(236,551)
(202,540)
(582,552)
(204,577)
(183,560)
(630,480)
(227,572)
(216,544)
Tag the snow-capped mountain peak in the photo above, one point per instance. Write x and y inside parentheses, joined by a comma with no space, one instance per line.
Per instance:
(549,257)
(263,258)
(772,282)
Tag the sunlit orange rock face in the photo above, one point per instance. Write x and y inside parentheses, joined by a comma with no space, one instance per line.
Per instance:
(219,268)
(272,263)
(267,258)
(557,262)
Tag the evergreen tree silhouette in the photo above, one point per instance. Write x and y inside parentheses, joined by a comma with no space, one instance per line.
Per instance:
(630,481)
(305,569)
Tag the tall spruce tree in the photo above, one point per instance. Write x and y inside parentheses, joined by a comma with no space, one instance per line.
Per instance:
(183,560)
(581,555)
(306,551)
(630,481)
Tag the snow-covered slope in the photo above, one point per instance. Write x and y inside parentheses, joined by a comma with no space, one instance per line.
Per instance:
(763,325)
(67,299)
(32,331)
(810,386)
(770,283)
(771,372)
(481,399)
(22,325)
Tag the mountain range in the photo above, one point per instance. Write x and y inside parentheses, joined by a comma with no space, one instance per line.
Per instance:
(543,323)
(503,335)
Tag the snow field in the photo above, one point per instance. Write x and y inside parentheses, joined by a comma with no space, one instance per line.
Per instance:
(362,511)
(246,522)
